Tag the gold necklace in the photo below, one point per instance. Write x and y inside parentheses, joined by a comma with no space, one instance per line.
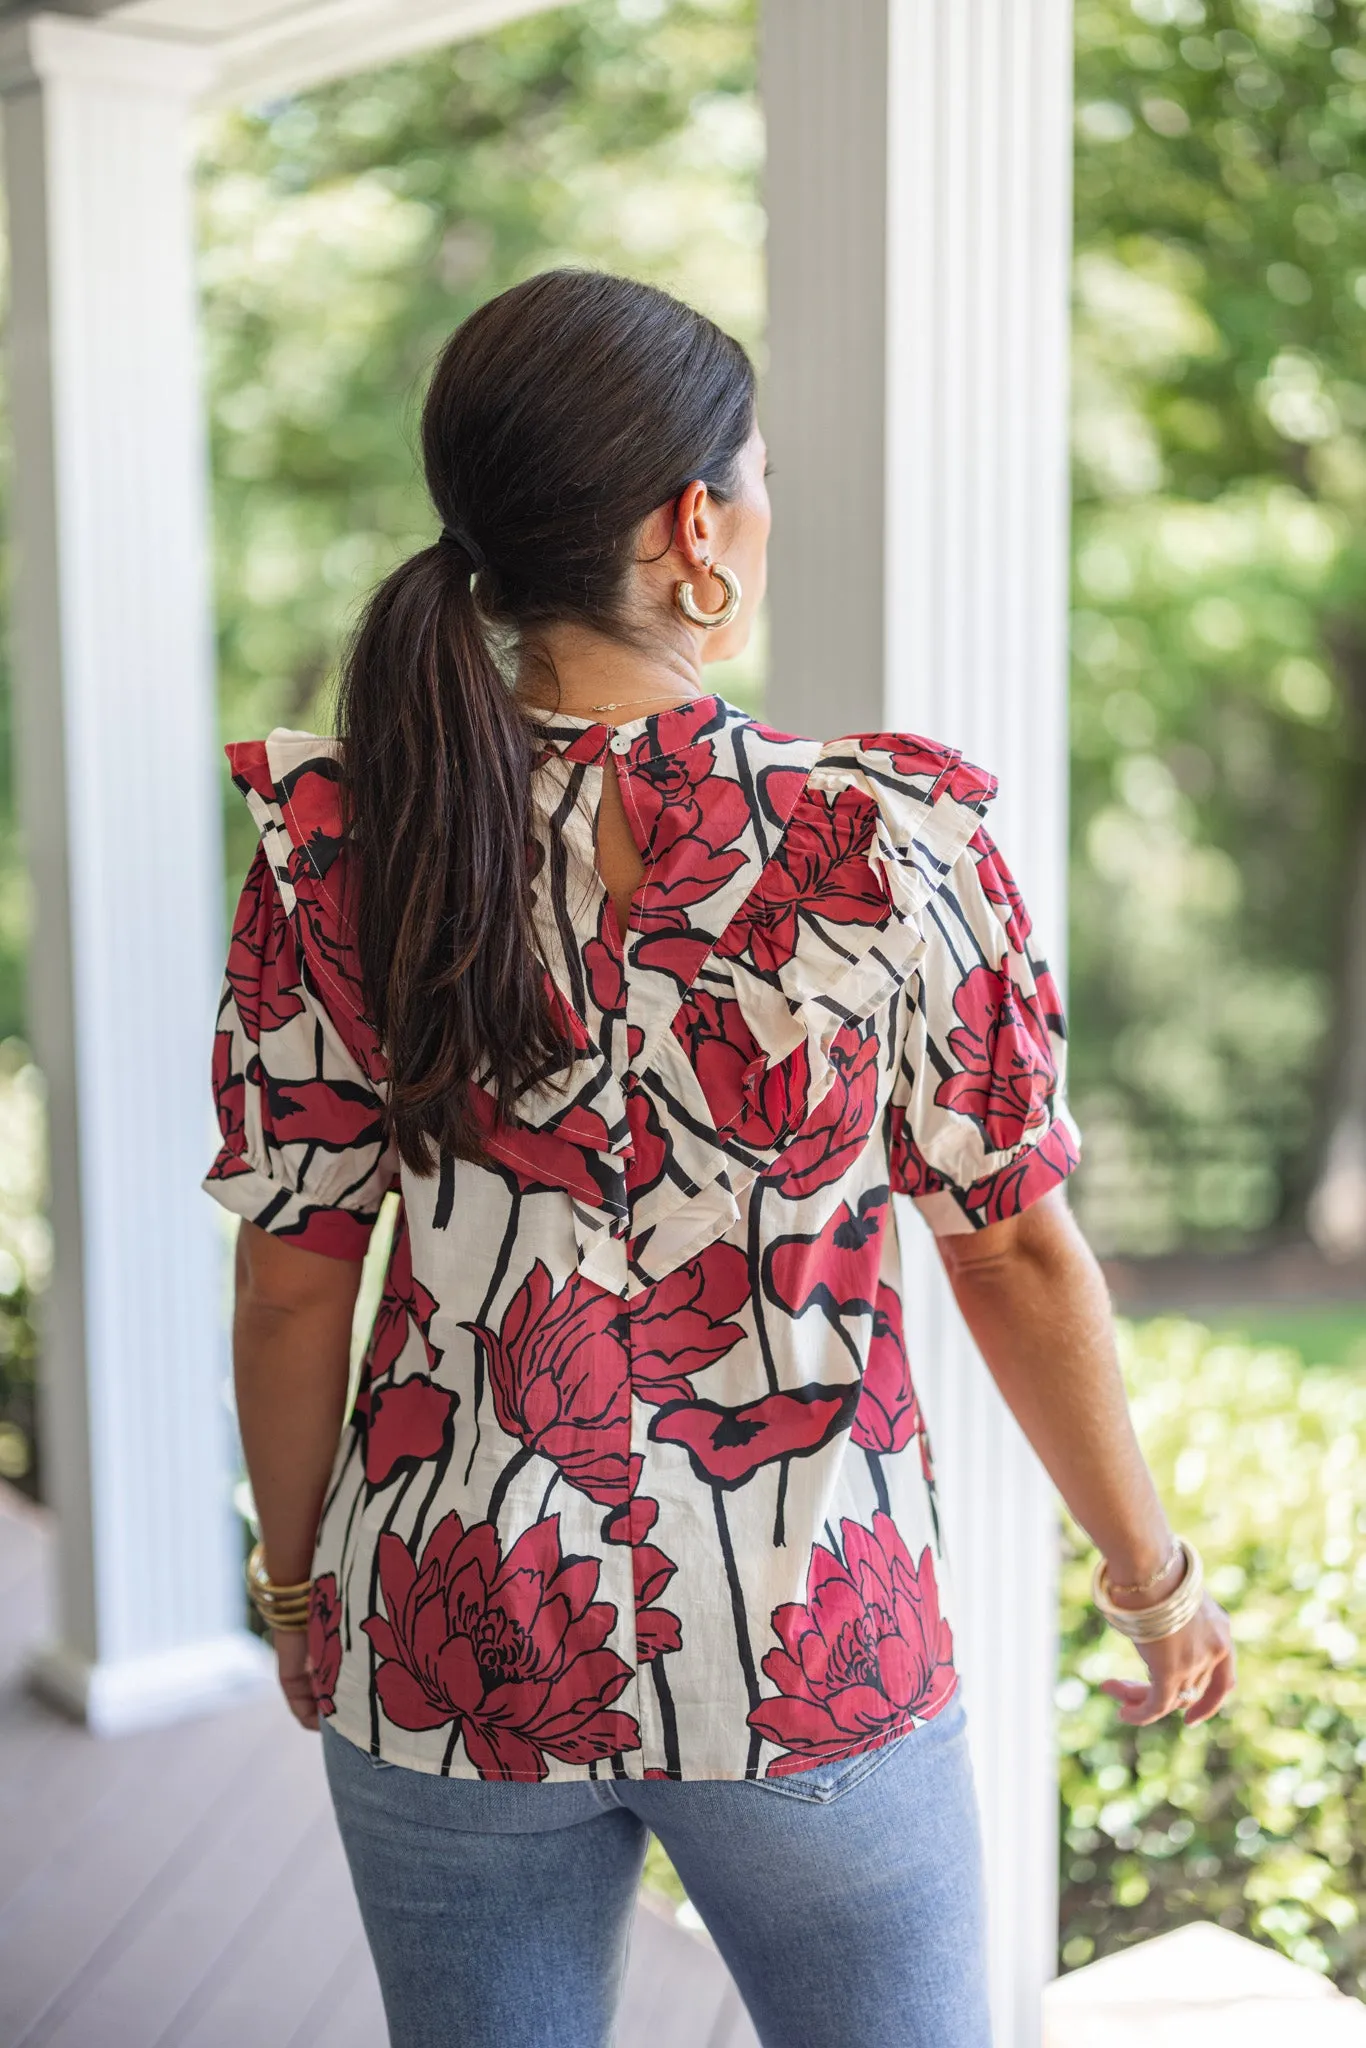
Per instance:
(616,703)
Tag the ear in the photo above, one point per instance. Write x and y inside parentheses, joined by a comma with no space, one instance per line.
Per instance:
(694,533)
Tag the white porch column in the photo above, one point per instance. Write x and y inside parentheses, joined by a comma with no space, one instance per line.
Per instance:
(919,235)
(116,746)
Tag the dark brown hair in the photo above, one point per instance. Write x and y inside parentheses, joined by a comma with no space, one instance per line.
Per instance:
(559,416)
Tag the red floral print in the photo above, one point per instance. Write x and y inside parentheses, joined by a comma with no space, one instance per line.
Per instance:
(606,968)
(910,1172)
(835,1269)
(409,1422)
(907,755)
(727,1446)
(1007,1066)
(822,868)
(509,1649)
(324,1641)
(821,1149)
(1001,891)
(544,1160)
(1017,1186)
(864,1658)
(657,1630)
(682,1325)
(336,1115)
(888,1412)
(649,1142)
(263,962)
(230,1101)
(557,1367)
(749,1099)
(689,819)
(659,1304)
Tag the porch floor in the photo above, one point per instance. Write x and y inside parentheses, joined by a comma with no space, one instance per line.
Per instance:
(185,1888)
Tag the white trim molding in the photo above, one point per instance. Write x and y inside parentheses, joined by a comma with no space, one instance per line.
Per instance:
(919,212)
(116,748)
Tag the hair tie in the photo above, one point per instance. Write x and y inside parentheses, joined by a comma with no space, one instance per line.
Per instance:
(456,537)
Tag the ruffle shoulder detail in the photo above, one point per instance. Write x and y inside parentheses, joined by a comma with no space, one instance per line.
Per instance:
(834,924)
(292,785)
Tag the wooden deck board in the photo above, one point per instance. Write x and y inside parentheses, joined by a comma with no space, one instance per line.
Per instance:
(186,1887)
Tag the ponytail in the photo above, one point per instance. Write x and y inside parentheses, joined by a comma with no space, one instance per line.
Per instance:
(559,416)
(436,767)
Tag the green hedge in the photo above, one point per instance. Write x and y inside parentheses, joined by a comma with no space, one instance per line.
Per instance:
(1257,1818)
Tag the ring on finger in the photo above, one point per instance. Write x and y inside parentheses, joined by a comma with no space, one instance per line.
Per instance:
(1187,1694)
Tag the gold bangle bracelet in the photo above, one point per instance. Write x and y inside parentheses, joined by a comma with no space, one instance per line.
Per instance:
(259,1579)
(1164,1617)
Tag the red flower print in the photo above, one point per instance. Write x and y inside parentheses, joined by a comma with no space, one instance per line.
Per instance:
(821,869)
(888,1411)
(404,1305)
(682,1324)
(836,1269)
(632,1522)
(405,1421)
(910,1172)
(509,1648)
(1006,1061)
(865,1657)
(263,963)
(536,1160)
(687,818)
(953,776)
(558,1370)
(603,963)
(324,1640)
(726,1446)
(827,1144)
(999,888)
(1014,1188)
(333,1115)
(565,1020)
(749,1100)
(409,1421)
(649,1145)
(657,1630)
(229,1095)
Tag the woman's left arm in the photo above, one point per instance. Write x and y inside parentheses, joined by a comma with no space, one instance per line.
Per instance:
(291,1342)
(1035,1300)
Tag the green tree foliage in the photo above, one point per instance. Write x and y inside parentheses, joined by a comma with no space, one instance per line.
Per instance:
(346,231)
(1257,1817)
(1220,625)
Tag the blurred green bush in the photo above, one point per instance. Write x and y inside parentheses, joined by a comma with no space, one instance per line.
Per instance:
(1256,1818)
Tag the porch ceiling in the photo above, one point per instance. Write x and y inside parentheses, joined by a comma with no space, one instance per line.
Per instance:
(264,47)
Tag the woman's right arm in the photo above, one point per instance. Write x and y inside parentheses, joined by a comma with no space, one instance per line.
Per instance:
(291,1342)
(1035,1300)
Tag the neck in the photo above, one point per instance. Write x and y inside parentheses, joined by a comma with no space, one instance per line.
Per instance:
(577,671)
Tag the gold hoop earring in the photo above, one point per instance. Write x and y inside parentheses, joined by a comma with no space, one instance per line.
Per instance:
(692,611)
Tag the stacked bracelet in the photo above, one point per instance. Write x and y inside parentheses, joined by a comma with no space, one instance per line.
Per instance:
(1165,1617)
(284,1608)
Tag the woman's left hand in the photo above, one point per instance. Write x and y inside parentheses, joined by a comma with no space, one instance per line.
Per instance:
(296,1674)
(1198,1659)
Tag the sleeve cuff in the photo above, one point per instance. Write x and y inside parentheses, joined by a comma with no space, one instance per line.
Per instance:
(1009,1191)
(336,1233)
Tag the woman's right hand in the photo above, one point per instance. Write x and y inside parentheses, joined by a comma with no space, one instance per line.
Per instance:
(1198,1657)
(296,1674)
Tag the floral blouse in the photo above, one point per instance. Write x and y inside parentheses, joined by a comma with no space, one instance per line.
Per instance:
(636,1481)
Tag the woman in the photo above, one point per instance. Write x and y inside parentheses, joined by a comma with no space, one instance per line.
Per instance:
(646,1010)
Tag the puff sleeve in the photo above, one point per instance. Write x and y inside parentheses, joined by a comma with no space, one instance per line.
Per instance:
(979,1127)
(303,1150)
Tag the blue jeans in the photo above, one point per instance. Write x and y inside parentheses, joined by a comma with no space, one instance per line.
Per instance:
(847,1900)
